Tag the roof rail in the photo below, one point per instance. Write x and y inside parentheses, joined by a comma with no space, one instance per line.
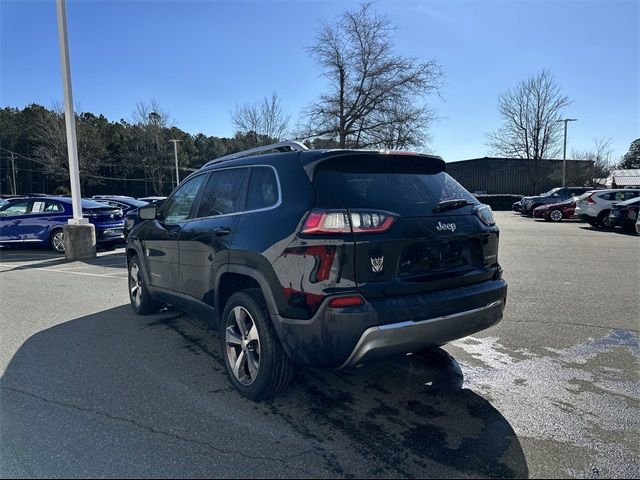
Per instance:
(288,146)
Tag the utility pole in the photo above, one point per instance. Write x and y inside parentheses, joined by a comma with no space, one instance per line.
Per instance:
(79,234)
(175,152)
(564,152)
(13,174)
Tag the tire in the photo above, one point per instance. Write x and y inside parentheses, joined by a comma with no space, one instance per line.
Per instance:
(556,215)
(603,219)
(141,301)
(56,239)
(257,365)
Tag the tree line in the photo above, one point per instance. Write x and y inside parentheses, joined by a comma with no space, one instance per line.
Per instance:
(110,152)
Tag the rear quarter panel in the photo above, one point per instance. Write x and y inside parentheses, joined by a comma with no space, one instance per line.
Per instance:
(300,272)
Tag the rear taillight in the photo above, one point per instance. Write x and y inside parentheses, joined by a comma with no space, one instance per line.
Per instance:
(485,214)
(351,301)
(343,221)
(590,200)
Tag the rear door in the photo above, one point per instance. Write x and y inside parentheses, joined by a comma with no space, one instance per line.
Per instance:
(425,248)
(44,215)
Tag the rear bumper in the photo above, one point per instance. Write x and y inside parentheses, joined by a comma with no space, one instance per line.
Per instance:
(622,221)
(404,337)
(586,217)
(345,337)
(110,234)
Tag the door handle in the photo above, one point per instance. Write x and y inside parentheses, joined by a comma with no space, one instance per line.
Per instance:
(221,231)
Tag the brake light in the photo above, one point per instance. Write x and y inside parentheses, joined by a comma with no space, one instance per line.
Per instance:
(343,221)
(341,302)
(485,214)
(590,200)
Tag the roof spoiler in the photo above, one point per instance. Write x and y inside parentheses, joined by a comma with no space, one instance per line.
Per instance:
(375,161)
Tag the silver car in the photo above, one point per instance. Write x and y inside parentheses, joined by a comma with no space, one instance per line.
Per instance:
(594,207)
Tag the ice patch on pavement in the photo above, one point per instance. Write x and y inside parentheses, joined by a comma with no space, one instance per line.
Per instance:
(556,397)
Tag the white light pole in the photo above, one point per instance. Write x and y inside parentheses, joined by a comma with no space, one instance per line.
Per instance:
(564,152)
(175,152)
(72,147)
(79,234)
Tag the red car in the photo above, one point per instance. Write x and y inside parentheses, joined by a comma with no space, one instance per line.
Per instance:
(556,211)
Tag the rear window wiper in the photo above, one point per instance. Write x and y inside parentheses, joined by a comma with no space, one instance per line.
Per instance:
(451,204)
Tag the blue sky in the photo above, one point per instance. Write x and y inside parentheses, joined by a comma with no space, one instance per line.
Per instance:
(199,58)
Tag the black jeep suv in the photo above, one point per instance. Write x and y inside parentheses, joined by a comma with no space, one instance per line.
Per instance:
(327,258)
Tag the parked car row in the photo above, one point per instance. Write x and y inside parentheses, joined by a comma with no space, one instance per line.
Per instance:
(40,220)
(600,208)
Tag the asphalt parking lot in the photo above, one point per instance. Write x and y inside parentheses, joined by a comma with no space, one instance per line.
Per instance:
(89,389)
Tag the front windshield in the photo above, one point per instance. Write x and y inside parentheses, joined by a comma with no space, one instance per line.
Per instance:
(550,192)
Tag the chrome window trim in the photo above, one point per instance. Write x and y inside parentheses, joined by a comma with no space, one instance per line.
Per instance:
(172,194)
(272,207)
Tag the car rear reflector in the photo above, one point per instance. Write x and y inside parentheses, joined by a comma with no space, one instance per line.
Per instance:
(341,302)
(590,200)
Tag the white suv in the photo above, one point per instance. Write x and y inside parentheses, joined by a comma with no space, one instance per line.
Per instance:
(594,207)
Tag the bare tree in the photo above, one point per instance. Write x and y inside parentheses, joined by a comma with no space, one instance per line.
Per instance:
(529,112)
(600,154)
(372,91)
(49,133)
(150,143)
(261,119)
(530,130)
(402,125)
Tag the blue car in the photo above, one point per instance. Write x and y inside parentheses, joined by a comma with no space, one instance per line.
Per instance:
(127,204)
(39,221)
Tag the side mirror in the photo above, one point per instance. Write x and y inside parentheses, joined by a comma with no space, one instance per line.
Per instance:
(148,212)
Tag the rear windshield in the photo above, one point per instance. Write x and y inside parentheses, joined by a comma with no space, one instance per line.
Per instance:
(136,203)
(93,204)
(408,194)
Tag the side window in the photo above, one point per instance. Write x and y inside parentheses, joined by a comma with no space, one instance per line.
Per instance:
(17,208)
(263,188)
(178,207)
(606,196)
(37,207)
(223,193)
(619,196)
(53,207)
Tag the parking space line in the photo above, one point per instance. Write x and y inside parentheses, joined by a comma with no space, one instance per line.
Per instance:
(107,275)
(122,264)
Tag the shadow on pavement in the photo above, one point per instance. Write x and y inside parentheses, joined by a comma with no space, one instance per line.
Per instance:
(113,394)
(41,260)
(619,230)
